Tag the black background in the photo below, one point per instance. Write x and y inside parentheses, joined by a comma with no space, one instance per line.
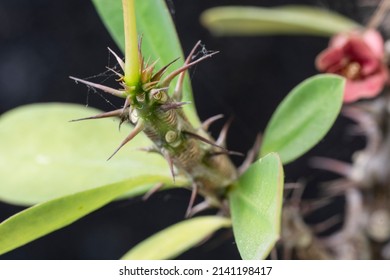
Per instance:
(42,42)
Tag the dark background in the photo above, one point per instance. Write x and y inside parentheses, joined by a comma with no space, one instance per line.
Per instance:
(42,42)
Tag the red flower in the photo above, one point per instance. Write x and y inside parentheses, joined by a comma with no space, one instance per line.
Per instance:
(358,56)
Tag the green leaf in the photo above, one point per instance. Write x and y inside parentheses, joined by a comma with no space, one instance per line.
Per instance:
(44,156)
(287,20)
(47,217)
(176,239)
(304,117)
(159,37)
(256,203)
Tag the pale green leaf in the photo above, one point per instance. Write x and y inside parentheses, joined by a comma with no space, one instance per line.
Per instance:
(176,239)
(159,37)
(47,217)
(286,20)
(256,203)
(304,117)
(44,156)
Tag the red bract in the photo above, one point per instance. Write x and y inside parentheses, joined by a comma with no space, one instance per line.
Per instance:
(358,56)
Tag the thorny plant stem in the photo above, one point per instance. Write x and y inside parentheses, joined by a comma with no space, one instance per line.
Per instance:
(132,67)
(379,14)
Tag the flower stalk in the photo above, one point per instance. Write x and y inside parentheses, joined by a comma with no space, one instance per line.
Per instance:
(132,67)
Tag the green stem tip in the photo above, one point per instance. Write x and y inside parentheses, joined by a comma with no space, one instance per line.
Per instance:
(132,67)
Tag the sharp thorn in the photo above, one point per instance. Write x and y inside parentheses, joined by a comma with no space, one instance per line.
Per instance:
(168,79)
(230,153)
(235,153)
(158,75)
(337,187)
(221,141)
(206,124)
(152,191)
(146,64)
(173,105)
(118,59)
(170,163)
(109,90)
(189,57)
(196,136)
(115,113)
(156,90)
(296,195)
(327,224)
(192,199)
(126,104)
(151,149)
(125,116)
(332,165)
(198,208)
(291,186)
(115,72)
(137,129)
(151,66)
(310,207)
(252,155)
(178,93)
(149,86)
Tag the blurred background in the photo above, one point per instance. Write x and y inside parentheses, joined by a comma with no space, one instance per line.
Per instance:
(43,42)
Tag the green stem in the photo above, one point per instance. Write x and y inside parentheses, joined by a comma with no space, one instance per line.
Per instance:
(132,67)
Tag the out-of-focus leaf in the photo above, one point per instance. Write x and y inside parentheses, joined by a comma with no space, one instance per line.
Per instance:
(49,216)
(289,20)
(176,239)
(256,203)
(304,117)
(159,37)
(44,156)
